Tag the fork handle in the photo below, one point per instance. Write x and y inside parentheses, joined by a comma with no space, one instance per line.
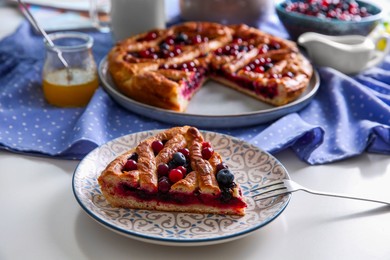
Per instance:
(345,196)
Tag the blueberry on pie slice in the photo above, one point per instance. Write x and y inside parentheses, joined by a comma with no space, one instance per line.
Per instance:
(175,170)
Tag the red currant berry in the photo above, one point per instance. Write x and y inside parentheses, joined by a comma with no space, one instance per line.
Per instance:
(197,39)
(259,69)
(182,169)
(175,175)
(247,68)
(288,74)
(219,51)
(150,36)
(221,166)
(275,45)
(157,146)
(206,144)
(207,152)
(275,76)
(263,49)
(237,40)
(154,56)
(130,165)
(177,51)
(162,169)
(170,40)
(185,152)
(144,54)
(163,184)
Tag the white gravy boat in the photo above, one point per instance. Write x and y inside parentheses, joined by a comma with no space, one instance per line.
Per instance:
(349,54)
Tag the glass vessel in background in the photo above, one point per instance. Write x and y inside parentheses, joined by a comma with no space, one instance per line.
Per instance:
(249,12)
(75,86)
(130,17)
(99,13)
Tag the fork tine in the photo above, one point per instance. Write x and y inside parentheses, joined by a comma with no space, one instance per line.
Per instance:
(270,195)
(268,184)
(268,187)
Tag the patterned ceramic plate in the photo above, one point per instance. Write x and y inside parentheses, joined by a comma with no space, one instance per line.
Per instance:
(251,166)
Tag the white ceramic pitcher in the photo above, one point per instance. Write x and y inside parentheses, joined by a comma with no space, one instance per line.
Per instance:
(349,54)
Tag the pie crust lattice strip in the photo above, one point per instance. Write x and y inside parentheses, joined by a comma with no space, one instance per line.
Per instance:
(165,68)
(175,170)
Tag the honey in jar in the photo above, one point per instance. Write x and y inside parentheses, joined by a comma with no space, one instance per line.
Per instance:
(61,91)
(73,86)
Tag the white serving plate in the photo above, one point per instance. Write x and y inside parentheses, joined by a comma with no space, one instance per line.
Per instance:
(213,106)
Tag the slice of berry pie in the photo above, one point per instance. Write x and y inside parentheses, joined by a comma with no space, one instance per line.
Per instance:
(175,170)
(165,68)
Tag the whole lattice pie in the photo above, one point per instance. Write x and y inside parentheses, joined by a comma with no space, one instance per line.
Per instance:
(165,68)
(175,170)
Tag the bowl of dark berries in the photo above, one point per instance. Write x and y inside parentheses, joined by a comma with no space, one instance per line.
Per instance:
(330,17)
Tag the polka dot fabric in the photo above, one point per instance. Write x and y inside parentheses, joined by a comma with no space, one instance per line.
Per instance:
(348,116)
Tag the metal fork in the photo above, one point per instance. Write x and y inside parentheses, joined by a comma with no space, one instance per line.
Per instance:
(279,187)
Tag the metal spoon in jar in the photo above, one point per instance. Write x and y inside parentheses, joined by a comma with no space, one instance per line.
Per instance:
(26,12)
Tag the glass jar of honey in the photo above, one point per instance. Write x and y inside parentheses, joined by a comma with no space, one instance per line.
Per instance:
(75,85)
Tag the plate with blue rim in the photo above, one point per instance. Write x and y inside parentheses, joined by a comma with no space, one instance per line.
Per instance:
(251,166)
(214,105)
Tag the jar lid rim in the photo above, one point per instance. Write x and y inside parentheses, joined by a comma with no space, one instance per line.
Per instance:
(87,41)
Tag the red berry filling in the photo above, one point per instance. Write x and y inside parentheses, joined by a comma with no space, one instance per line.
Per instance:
(180,198)
(155,53)
(185,39)
(265,91)
(269,91)
(259,65)
(187,66)
(233,49)
(240,45)
(195,79)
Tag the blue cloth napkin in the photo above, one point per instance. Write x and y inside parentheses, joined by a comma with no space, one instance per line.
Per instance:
(348,116)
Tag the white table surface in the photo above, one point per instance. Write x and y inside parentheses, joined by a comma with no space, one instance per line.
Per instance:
(40,218)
